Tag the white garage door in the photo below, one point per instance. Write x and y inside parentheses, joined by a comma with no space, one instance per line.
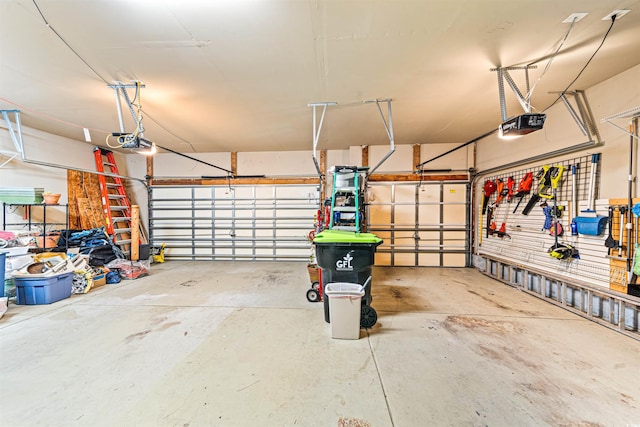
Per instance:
(260,222)
(422,224)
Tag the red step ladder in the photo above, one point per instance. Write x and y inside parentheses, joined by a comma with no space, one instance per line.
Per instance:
(115,202)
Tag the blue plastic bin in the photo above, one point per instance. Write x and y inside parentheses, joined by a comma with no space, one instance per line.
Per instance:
(43,290)
(3,257)
(591,226)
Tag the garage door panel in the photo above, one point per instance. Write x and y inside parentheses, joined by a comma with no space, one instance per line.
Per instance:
(454,214)
(429,215)
(382,259)
(243,222)
(405,214)
(422,233)
(454,193)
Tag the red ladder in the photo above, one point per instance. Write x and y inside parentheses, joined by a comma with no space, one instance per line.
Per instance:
(115,202)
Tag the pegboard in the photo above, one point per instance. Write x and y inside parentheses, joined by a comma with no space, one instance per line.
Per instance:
(582,165)
(527,241)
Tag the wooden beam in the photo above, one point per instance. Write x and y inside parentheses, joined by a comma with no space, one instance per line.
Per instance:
(149,170)
(235,181)
(323,171)
(135,232)
(74,184)
(416,177)
(323,162)
(304,180)
(234,162)
(365,156)
(416,156)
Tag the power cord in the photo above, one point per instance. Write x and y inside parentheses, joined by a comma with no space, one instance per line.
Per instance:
(613,20)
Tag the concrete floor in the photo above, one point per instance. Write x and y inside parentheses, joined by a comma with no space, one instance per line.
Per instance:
(237,344)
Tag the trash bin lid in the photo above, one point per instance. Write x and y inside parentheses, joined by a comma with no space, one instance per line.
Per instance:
(341,236)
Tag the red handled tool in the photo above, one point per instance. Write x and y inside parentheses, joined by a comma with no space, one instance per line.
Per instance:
(489,189)
(502,191)
(524,188)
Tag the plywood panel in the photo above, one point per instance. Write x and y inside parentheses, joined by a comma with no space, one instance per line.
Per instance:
(85,201)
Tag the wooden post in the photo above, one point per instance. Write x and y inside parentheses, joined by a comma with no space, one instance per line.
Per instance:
(323,171)
(234,163)
(135,232)
(416,156)
(365,156)
(149,170)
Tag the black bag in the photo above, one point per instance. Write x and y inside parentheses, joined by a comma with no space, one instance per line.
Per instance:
(99,255)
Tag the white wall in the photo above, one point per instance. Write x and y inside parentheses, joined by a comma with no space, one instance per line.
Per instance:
(612,96)
(42,147)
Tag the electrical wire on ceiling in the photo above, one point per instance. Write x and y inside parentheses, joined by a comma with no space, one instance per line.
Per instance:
(484,135)
(67,44)
(613,21)
(168,131)
(546,68)
(38,113)
(101,78)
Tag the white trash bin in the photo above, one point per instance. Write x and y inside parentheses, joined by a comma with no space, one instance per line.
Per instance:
(344,309)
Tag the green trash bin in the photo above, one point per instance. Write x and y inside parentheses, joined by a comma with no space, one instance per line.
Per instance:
(347,256)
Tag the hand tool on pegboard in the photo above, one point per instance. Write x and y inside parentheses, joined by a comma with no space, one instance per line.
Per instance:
(559,250)
(524,188)
(492,228)
(574,200)
(591,208)
(510,193)
(635,268)
(488,189)
(622,210)
(548,179)
(502,191)
(610,242)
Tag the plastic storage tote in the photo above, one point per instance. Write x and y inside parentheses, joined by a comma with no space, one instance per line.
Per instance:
(345,305)
(347,257)
(43,290)
(3,257)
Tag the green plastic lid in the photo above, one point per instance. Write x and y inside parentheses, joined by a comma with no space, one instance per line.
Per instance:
(341,236)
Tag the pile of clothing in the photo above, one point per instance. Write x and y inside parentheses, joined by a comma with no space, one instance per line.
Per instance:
(94,242)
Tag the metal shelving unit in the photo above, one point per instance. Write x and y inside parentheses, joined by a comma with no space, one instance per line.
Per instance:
(29,223)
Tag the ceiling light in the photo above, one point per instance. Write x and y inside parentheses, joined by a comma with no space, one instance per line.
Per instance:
(148,151)
(521,125)
(619,13)
(575,17)
(146,147)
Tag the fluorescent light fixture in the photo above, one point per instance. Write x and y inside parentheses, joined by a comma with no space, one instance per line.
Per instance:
(521,125)
(87,135)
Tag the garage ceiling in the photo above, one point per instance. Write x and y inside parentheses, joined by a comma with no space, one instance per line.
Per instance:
(237,75)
